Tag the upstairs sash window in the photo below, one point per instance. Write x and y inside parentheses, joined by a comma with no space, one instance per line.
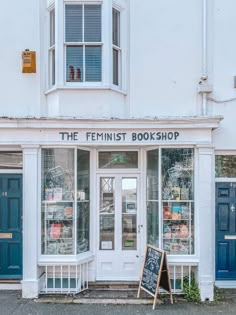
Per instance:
(83,43)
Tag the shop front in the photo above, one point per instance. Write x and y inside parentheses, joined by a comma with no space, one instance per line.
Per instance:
(96,192)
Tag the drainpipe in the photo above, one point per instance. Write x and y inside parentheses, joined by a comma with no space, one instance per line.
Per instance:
(204,87)
(204,55)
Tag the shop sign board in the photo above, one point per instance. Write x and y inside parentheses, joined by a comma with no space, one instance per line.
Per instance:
(155,273)
(105,137)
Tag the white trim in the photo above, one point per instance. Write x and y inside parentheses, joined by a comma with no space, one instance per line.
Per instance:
(225,284)
(189,122)
(11,171)
(10,286)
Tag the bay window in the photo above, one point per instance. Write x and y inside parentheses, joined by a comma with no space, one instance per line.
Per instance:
(85,45)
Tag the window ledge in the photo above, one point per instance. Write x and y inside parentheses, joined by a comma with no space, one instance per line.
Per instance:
(85,87)
(182,259)
(62,259)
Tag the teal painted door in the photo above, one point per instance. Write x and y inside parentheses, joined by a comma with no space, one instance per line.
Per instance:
(10,226)
(226,231)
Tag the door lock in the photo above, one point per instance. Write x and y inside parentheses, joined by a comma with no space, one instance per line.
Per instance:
(4,193)
(232,208)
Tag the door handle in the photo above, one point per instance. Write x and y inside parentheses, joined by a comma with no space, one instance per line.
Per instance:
(139,227)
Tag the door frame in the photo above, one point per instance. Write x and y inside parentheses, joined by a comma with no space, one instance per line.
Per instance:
(121,174)
(16,173)
(218,282)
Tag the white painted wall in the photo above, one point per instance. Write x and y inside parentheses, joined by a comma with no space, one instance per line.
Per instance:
(165,57)
(162,46)
(20,93)
(224,71)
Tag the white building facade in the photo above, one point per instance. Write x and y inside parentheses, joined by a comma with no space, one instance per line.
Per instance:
(121,137)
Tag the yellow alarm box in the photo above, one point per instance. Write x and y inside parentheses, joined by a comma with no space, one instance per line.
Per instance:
(28,61)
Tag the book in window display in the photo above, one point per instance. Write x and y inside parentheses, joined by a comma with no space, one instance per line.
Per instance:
(184,194)
(167,212)
(55,231)
(176,212)
(68,212)
(175,193)
(183,231)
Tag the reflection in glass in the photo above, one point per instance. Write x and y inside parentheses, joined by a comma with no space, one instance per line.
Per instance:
(152,197)
(178,205)
(177,174)
(57,201)
(117,159)
(83,205)
(225,166)
(107,213)
(129,213)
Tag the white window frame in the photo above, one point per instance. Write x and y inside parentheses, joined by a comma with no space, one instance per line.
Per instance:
(52,48)
(82,44)
(117,48)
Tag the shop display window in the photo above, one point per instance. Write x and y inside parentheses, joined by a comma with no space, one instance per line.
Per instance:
(64,200)
(175,199)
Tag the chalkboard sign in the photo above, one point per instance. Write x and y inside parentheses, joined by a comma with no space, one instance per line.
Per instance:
(155,273)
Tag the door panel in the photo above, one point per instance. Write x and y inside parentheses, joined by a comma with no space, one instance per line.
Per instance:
(10,226)
(225,231)
(118,241)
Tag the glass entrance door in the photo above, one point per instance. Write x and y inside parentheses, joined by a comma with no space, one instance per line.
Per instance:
(118,228)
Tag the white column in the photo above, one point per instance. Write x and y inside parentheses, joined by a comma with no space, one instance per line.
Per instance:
(205,205)
(30,287)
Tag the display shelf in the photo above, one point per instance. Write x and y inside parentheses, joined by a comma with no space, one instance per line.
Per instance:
(59,226)
(177,226)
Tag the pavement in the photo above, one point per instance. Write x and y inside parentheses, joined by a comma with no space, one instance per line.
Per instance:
(11,303)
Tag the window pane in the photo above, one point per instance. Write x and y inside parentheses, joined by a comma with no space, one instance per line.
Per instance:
(52,27)
(73,23)
(225,166)
(115,67)
(57,201)
(115,27)
(116,159)
(129,213)
(74,63)
(11,160)
(92,23)
(152,197)
(52,66)
(178,204)
(93,63)
(107,213)
(177,174)
(83,205)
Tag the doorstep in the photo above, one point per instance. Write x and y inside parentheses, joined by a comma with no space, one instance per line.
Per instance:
(103,294)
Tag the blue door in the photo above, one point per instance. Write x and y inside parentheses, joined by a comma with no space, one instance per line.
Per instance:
(226,231)
(10,226)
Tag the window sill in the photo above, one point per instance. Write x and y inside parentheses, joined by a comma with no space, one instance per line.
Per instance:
(84,87)
(182,259)
(47,260)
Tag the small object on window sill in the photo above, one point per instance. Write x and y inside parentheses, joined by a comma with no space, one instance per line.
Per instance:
(71,73)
